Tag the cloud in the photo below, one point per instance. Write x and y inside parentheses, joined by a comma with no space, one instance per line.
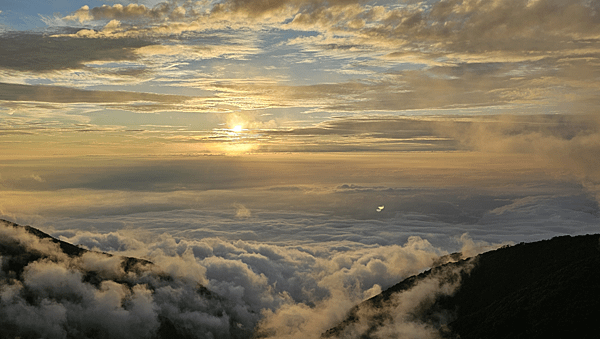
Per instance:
(19,237)
(490,173)
(454,28)
(316,286)
(565,142)
(57,94)
(93,294)
(60,53)
(406,311)
(225,47)
(117,11)
(138,20)
(443,55)
(241,211)
(82,15)
(297,271)
(472,27)
(430,33)
(399,316)
(473,85)
(37,178)
(135,12)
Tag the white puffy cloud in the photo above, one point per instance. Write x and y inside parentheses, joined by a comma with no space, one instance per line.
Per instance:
(82,15)
(54,295)
(131,11)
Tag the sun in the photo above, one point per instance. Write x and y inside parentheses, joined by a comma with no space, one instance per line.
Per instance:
(237,128)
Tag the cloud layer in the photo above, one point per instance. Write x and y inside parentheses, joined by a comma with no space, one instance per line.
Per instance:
(96,294)
(56,295)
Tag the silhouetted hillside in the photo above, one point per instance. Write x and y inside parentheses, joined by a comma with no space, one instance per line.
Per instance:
(546,289)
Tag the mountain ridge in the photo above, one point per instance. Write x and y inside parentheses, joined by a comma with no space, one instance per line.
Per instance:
(529,290)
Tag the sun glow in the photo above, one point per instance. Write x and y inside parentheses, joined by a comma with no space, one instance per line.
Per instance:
(237,128)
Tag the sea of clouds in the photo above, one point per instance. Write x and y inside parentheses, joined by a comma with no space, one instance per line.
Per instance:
(282,291)
(279,274)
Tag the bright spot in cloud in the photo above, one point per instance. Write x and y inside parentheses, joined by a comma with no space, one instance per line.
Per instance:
(237,128)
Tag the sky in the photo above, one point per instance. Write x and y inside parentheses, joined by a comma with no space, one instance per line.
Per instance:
(312,133)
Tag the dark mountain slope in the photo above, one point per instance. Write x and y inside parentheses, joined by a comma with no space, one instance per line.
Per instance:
(546,289)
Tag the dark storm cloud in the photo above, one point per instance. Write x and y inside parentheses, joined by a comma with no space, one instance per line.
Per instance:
(23,51)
